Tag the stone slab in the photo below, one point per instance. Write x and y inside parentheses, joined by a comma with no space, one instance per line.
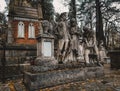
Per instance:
(47,46)
(56,77)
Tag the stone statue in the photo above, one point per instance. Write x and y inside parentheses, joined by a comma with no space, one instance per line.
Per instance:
(52,26)
(74,33)
(80,57)
(48,27)
(102,52)
(91,50)
(63,38)
(45,26)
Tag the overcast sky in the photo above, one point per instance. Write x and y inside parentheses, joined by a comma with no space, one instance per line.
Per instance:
(58,4)
(2,5)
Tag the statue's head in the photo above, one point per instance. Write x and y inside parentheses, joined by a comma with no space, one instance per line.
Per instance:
(45,23)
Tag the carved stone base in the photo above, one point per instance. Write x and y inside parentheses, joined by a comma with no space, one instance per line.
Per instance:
(35,81)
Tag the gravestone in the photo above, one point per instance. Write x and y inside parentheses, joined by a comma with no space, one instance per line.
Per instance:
(45,46)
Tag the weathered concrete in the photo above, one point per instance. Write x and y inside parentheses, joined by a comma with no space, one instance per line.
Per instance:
(34,81)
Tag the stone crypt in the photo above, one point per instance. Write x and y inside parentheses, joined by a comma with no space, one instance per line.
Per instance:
(48,70)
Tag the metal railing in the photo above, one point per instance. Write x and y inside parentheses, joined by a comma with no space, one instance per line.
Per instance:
(14,68)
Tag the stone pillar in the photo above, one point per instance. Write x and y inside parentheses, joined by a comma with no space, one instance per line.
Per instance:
(45,49)
(45,43)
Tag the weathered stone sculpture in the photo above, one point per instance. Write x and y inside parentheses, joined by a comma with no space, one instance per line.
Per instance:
(74,34)
(80,57)
(64,37)
(91,50)
(102,52)
(45,25)
(46,71)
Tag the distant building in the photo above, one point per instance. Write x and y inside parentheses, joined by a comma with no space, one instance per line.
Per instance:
(23,26)
(23,22)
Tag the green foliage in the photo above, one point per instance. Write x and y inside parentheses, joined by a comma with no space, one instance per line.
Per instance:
(110,15)
(48,9)
(2,19)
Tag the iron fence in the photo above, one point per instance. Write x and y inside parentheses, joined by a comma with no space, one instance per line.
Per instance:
(15,66)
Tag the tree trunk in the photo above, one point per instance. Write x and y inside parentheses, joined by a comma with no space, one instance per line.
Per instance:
(72,10)
(99,24)
(91,24)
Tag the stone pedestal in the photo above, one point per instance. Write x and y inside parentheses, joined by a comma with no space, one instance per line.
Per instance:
(45,50)
(45,46)
(35,81)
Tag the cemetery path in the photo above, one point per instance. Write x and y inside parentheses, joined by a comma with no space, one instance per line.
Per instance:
(110,82)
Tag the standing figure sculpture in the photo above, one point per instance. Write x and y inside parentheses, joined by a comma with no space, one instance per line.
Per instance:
(74,33)
(102,52)
(80,57)
(63,38)
(91,50)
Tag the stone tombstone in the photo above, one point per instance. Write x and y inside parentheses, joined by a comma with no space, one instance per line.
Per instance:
(47,72)
(45,46)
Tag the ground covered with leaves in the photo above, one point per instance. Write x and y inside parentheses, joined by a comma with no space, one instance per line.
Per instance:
(110,82)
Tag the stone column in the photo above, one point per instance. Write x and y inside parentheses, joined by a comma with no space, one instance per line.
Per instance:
(45,49)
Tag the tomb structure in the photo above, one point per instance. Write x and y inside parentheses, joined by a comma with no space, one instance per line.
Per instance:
(48,70)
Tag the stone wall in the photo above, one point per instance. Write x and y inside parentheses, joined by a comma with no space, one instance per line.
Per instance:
(16,58)
(35,81)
